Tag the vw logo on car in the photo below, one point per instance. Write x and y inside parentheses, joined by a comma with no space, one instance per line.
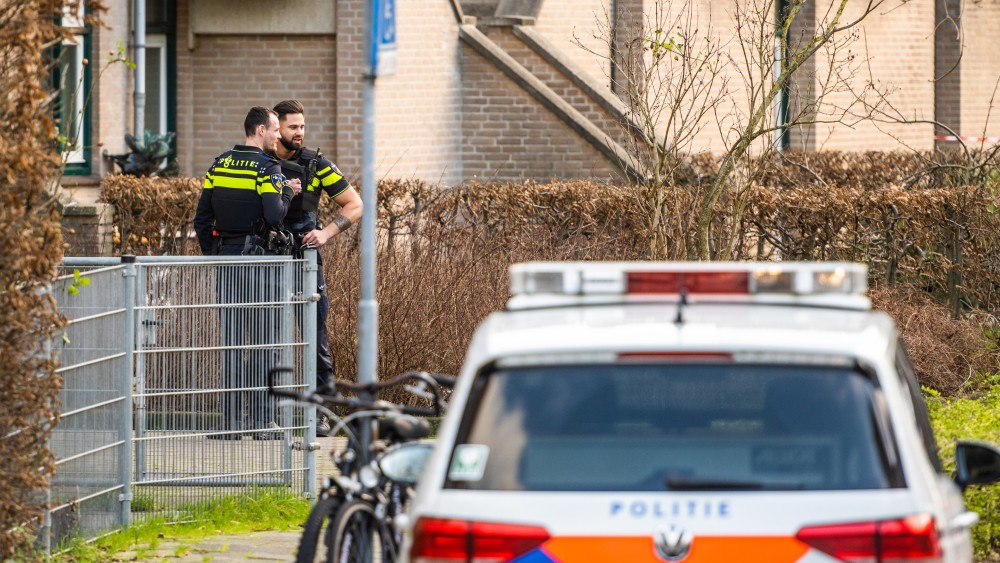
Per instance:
(672,543)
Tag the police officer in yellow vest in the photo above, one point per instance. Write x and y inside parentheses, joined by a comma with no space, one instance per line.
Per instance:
(243,202)
(318,176)
(244,191)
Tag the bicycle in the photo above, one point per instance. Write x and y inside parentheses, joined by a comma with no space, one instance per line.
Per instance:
(358,513)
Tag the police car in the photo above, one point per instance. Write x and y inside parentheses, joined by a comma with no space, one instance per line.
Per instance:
(725,412)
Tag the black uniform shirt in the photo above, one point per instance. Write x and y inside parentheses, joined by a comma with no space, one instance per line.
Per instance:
(327,178)
(242,187)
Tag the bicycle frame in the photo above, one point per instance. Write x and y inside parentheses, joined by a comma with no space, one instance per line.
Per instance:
(362,491)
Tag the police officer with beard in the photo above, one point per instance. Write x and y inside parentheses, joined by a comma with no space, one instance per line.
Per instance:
(318,176)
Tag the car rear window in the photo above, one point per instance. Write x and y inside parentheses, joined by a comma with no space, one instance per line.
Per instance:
(644,427)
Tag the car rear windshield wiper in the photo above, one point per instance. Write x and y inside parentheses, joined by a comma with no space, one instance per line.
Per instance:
(681,483)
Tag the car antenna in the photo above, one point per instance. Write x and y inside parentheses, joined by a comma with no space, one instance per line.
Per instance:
(679,319)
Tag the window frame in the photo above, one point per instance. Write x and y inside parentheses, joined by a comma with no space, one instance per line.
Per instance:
(908,376)
(159,41)
(78,161)
(161,21)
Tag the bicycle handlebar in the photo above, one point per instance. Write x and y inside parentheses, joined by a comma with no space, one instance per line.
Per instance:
(355,403)
(436,379)
(444,380)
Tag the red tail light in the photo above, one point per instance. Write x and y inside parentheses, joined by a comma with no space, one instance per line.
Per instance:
(914,538)
(908,539)
(441,540)
(694,282)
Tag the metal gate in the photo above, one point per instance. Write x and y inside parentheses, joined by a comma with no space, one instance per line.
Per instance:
(164,401)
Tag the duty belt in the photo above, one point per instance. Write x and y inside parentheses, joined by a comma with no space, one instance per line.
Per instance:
(233,240)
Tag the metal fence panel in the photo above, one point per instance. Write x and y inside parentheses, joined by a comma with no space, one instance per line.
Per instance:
(182,345)
(89,443)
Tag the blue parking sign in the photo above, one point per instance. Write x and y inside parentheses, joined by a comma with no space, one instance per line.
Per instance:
(383,38)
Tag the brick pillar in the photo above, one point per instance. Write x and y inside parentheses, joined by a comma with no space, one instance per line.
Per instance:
(626,24)
(947,66)
(802,90)
(111,99)
(190,164)
(351,30)
(87,229)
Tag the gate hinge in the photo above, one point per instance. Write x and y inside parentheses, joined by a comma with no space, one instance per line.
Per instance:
(313,446)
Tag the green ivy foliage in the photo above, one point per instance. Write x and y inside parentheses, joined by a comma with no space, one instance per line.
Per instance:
(978,419)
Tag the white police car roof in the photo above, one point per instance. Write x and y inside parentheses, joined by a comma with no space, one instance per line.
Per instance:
(637,328)
(589,311)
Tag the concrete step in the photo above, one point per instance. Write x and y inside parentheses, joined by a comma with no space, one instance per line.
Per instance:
(480,9)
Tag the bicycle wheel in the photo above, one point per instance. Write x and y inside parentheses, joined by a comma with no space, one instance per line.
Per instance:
(321,518)
(360,537)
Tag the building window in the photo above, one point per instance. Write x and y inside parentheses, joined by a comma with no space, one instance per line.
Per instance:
(159,115)
(71,81)
(156,84)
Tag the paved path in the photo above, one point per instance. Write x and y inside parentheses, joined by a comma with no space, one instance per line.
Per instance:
(257,546)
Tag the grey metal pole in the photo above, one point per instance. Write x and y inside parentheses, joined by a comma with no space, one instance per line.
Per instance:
(128,343)
(139,93)
(138,285)
(47,516)
(311,296)
(47,520)
(289,278)
(780,102)
(368,306)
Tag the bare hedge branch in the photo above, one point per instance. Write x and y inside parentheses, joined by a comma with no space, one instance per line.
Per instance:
(32,247)
(443,253)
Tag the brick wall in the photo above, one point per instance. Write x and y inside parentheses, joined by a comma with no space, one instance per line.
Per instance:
(559,83)
(704,26)
(712,30)
(980,69)
(901,59)
(87,230)
(567,22)
(423,112)
(947,67)
(587,20)
(419,110)
(111,105)
(349,86)
(184,85)
(802,90)
(227,74)
(507,135)
(899,49)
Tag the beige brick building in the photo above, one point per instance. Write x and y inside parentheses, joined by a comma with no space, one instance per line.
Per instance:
(498,89)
